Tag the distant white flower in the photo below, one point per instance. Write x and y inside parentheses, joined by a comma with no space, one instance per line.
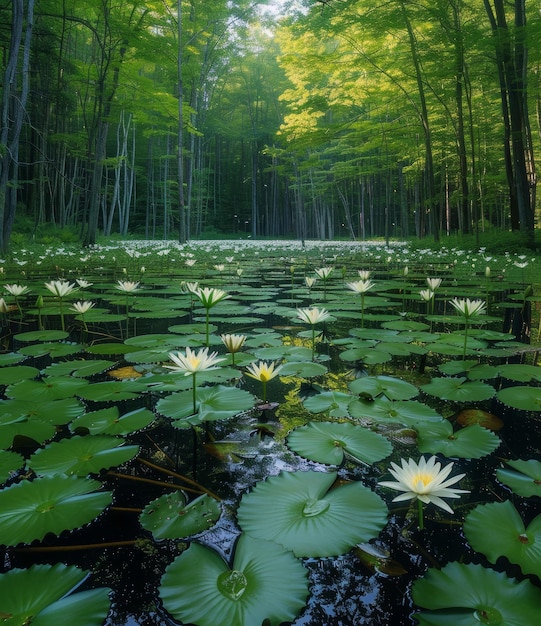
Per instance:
(193,362)
(82,306)
(364,274)
(487,272)
(233,342)
(210,296)
(469,308)
(310,281)
(313,315)
(263,371)
(128,286)
(219,267)
(83,283)
(361,286)
(324,272)
(424,481)
(16,290)
(187,287)
(433,283)
(521,264)
(426,294)
(3,306)
(61,288)
(190,262)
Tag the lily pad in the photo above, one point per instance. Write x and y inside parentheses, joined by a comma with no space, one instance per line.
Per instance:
(264,582)
(300,511)
(212,404)
(468,594)
(170,517)
(334,402)
(42,335)
(79,368)
(10,462)
(458,389)
(303,369)
(81,456)
(520,372)
(110,422)
(392,388)
(383,410)
(10,375)
(113,391)
(50,388)
(31,509)
(507,537)
(524,478)
(45,592)
(471,442)
(518,397)
(11,358)
(54,350)
(332,443)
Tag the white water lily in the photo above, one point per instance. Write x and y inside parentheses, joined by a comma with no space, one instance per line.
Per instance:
(469,308)
(83,283)
(193,362)
(3,306)
(263,371)
(426,294)
(313,315)
(128,286)
(233,342)
(433,283)
(324,272)
(61,288)
(82,306)
(16,290)
(210,296)
(364,274)
(310,281)
(189,287)
(361,286)
(425,481)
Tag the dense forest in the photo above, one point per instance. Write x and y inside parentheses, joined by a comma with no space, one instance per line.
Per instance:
(330,118)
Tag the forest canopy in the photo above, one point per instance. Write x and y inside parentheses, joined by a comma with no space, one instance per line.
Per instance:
(304,119)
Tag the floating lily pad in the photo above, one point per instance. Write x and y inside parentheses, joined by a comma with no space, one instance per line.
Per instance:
(54,350)
(171,517)
(81,455)
(507,537)
(49,411)
(471,442)
(79,368)
(31,509)
(383,410)
(392,388)
(300,511)
(45,592)
(524,478)
(264,582)
(370,356)
(462,594)
(113,391)
(42,335)
(50,388)
(212,403)
(334,402)
(332,443)
(468,417)
(518,397)
(303,369)
(10,375)
(458,389)
(110,422)
(10,462)
(11,358)
(520,372)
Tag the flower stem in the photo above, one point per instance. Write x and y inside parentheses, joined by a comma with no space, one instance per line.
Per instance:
(420,513)
(194,395)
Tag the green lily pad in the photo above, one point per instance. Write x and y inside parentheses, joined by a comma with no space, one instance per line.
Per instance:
(334,402)
(370,356)
(113,391)
(42,335)
(383,410)
(11,358)
(12,427)
(332,443)
(43,592)
(170,517)
(520,372)
(31,509)
(115,349)
(79,368)
(519,397)
(81,456)
(524,478)
(507,537)
(10,375)
(51,388)
(10,462)
(55,412)
(471,442)
(392,388)
(303,369)
(300,511)
(264,582)
(110,422)
(212,404)
(462,594)
(458,389)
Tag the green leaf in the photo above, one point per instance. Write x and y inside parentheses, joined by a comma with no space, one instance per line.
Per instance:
(79,368)
(331,443)
(303,369)
(31,509)
(111,391)
(41,592)
(334,402)
(392,388)
(52,388)
(42,335)
(81,456)
(10,462)
(264,582)
(169,517)
(109,422)
(10,375)
(469,594)
(408,412)
(300,511)
(496,529)
(458,389)
(471,442)
(49,411)
(526,480)
(518,397)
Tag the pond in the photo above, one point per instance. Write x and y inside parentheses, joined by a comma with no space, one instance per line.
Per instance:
(220,438)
